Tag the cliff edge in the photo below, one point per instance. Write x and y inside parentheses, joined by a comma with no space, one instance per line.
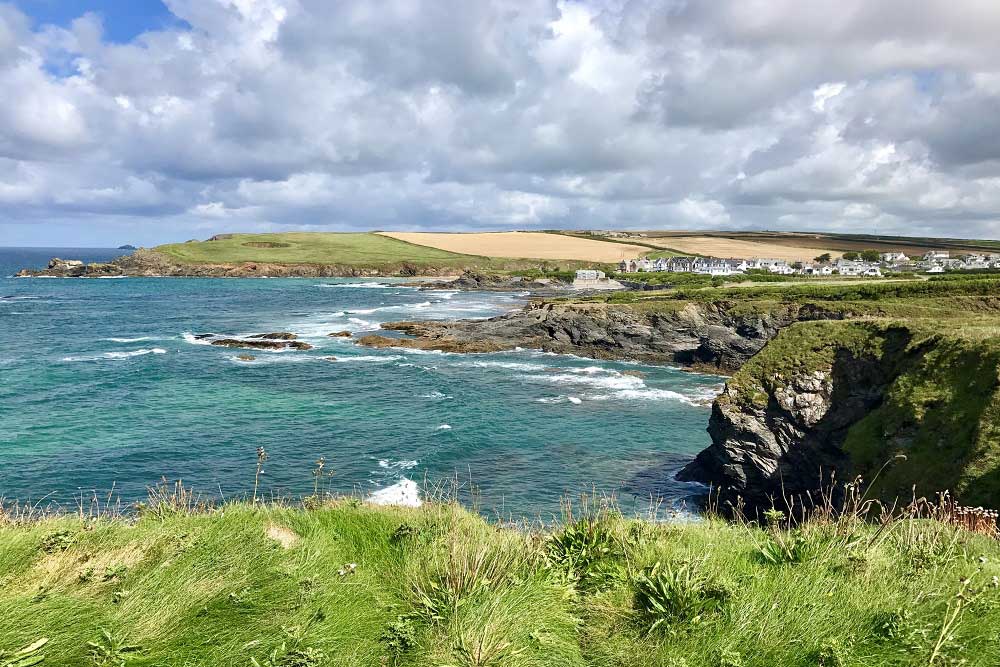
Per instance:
(907,408)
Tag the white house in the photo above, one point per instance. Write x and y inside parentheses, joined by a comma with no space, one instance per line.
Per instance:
(594,279)
(936,255)
(937,268)
(894,257)
(590,274)
(846,267)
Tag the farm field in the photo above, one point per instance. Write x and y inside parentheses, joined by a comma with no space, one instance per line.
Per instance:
(534,245)
(831,242)
(725,247)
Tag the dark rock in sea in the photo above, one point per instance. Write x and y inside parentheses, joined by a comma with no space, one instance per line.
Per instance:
(331,358)
(440,344)
(340,334)
(73,268)
(279,335)
(204,336)
(246,357)
(262,344)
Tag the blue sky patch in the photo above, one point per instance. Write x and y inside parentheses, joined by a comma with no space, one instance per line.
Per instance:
(123,19)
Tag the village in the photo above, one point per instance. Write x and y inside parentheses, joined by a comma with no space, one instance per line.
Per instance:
(868,263)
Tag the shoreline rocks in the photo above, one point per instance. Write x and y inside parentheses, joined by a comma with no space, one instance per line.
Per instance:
(699,336)
(472,280)
(239,343)
(148,263)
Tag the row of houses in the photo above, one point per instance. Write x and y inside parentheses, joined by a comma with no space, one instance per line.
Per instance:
(714,266)
(939,261)
(931,262)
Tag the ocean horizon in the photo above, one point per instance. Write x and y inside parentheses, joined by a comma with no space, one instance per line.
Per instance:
(107,389)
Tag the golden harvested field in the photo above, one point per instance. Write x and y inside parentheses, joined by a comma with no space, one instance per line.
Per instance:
(722,247)
(533,245)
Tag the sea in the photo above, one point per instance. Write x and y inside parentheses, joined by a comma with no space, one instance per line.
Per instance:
(105,390)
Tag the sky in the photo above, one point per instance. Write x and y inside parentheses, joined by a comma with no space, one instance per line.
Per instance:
(154,121)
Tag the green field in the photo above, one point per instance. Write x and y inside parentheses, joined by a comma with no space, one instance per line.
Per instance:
(308,248)
(348,584)
(365,250)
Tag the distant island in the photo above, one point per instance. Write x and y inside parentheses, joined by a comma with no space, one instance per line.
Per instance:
(127,247)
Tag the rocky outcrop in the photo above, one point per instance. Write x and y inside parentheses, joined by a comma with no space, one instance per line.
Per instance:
(73,268)
(258,344)
(712,335)
(779,427)
(145,262)
(278,335)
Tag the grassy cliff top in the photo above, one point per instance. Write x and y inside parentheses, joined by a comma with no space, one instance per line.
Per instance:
(937,415)
(351,584)
(361,249)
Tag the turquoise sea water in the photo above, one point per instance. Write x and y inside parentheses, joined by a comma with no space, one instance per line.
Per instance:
(103,386)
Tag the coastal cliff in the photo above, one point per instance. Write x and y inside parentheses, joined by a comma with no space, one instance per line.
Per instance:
(907,409)
(828,383)
(147,262)
(719,335)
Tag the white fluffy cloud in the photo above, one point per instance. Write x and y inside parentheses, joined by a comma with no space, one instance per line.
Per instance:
(448,114)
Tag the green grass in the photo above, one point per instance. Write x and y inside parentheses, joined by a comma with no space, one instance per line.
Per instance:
(439,586)
(361,250)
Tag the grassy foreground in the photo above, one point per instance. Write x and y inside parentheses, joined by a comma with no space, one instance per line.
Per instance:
(346,583)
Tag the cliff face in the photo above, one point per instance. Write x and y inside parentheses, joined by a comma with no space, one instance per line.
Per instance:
(837,400)
(149,263)
(713,335)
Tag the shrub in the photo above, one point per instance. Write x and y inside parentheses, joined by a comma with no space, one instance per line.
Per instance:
(781,548)
(588,552)
(400,636)
(669,593)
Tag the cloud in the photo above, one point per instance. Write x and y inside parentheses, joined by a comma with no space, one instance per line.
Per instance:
(445,114)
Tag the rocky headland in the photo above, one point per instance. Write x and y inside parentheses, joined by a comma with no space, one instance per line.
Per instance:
(718,336)
(823,390)
(149,263)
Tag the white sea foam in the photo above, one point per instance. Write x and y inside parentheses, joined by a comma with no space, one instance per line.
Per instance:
(134,353)
(118,355)
(370,358)
(405,493)
(434,394)
(647,394)
(190,338)
(273,359)
(363,325)
(574,400)
(444,427)
(616,381)
(396,465)
(509,365)
(131,340)
(369,285)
